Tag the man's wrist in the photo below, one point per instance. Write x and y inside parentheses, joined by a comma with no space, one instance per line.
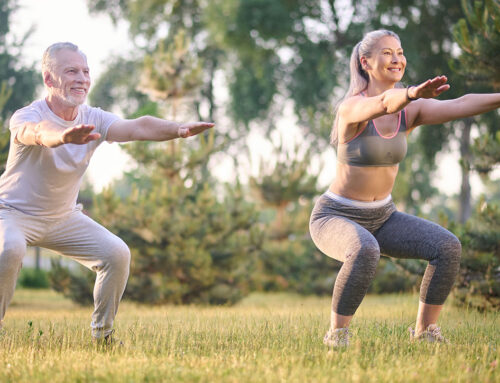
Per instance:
(181,131)
(38,139)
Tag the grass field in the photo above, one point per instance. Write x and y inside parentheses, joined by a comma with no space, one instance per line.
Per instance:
(266,338)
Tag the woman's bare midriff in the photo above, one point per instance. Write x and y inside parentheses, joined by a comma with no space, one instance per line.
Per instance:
(364,183)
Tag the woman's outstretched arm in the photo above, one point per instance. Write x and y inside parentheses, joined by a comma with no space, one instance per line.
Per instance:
(358,108)
(430,111)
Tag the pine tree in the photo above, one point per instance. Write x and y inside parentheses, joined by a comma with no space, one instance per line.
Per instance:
(478,35)
(192,240)
(4,131)
(284,188)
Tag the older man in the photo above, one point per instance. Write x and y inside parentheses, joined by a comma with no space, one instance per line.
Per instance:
(52,141)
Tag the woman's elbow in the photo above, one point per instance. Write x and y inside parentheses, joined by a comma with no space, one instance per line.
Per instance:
(386,106)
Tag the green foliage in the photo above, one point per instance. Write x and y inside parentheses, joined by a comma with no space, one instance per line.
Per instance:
(117,86)
(289,260)
(287,177)
(253,87)
(486,153)
(17,83)
(33,278)
(21,80)
(188,244)
(478,35)
(5,93)
(156,24)
(272,51)
(276,54)
(413,183)
(172,71)
(392,277)
(478,285)
(77,286)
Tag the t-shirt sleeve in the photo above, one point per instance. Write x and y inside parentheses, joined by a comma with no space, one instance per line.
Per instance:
(21,116)
(105,120)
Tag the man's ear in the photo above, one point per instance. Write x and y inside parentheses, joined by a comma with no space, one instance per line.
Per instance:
(47,79)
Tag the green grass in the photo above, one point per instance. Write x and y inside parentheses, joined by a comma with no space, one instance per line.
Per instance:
(266,338)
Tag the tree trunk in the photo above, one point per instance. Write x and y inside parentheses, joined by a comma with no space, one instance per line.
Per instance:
(37,258)
(464,210)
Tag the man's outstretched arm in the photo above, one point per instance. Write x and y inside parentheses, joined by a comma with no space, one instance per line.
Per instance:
(148,128)
(50,134)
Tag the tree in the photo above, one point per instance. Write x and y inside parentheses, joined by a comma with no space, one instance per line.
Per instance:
(478,34)
(158,22)
(21,80)
(4,132)
(17,83)
(289,260)
(479,61)
(191,241)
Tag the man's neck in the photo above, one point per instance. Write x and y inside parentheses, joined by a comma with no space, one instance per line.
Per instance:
(60,109)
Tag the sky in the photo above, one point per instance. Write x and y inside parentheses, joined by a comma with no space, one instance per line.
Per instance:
(68,20)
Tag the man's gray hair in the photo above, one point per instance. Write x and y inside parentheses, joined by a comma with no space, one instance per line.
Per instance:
(48,60)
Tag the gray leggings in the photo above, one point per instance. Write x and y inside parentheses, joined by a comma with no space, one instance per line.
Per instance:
(356,236)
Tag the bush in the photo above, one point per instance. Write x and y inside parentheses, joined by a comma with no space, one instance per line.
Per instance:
(76,286)
(391,277)
(478,283)
(33,278)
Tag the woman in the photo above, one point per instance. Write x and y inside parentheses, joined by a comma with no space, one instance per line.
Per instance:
(356,220)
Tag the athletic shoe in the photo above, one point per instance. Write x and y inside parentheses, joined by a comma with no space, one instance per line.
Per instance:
(432,334)
(338,337)
(108,341)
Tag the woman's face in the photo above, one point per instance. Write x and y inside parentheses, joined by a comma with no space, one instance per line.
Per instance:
(387,62)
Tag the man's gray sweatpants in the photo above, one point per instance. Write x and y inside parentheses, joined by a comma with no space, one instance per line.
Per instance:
(75,236)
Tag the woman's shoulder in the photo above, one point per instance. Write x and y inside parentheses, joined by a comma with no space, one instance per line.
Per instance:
(350,101)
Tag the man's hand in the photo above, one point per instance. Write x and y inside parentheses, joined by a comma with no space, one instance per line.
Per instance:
(79,135)
(193,128)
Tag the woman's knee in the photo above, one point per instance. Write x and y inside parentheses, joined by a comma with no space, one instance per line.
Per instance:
(366,253)
(447,253)
(449,248)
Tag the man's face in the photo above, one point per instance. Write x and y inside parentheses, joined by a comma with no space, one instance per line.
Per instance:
(70,80)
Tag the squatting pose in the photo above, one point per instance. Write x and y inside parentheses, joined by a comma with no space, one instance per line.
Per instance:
(356,220)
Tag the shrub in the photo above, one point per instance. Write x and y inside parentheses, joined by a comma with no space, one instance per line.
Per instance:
(33,278)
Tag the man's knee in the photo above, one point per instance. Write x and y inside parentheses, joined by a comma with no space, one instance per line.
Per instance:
(12,253)
(119,254)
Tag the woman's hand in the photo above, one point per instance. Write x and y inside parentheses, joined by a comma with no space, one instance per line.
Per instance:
(429,89)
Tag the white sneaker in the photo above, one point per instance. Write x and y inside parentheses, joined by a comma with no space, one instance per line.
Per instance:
(108,340)
(432,334)
(338,337)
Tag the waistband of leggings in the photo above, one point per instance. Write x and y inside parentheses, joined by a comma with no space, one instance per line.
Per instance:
(358,204)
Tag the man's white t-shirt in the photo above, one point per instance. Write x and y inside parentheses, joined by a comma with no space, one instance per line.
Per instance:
(45,181)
